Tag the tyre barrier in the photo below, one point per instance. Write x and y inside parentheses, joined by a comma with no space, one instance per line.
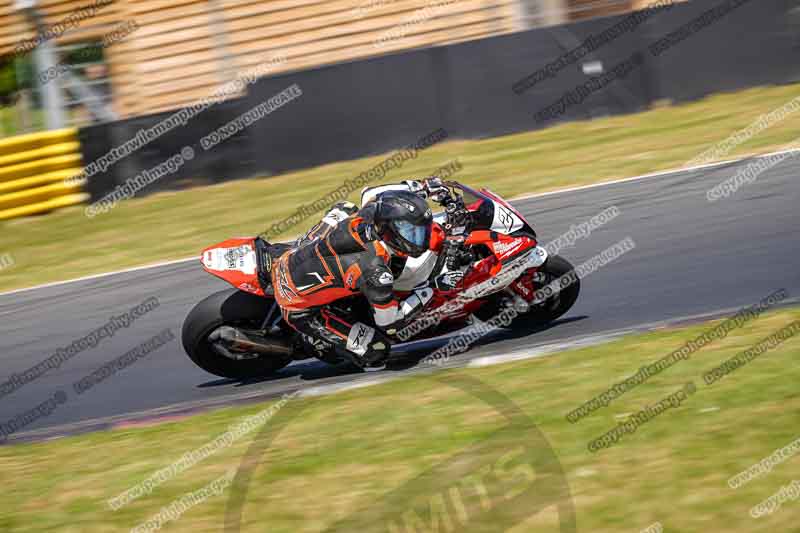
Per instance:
(35,172)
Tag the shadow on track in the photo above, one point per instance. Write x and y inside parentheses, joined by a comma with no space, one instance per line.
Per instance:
(306,370)
(410,358)
(405,358)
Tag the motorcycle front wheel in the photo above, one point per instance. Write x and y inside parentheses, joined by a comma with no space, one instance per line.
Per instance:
(554,306)
(563,298)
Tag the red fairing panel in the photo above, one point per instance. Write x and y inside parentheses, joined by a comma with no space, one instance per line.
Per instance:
(503,246)
(234,261)
(507,248)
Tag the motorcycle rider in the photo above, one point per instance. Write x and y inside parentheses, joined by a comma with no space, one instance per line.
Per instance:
(355,251)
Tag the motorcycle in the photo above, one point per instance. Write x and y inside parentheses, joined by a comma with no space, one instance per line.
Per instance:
(240,333)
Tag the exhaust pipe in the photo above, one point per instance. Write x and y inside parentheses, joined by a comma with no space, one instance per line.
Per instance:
(238,345)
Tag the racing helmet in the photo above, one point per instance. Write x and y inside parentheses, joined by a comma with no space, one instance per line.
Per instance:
(403,222)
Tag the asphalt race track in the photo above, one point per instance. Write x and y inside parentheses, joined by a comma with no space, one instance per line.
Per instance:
(691,257)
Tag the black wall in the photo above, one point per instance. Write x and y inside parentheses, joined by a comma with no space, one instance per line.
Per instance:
(757,44)
(371,106)
(233,159)
(347,111)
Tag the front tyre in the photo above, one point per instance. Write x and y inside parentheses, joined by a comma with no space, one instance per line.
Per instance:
(556,304)
(556,269)
(233,308)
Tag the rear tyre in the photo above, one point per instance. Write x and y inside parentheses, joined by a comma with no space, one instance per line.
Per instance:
(233,308)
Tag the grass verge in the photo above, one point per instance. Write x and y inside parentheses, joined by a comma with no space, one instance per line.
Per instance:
(66,244)
(342,454)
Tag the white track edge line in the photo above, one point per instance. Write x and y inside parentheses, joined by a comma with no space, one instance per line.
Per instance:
(516,198)
(102,275)
(660,173)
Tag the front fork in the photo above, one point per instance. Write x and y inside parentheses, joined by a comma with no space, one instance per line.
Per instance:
(523,289)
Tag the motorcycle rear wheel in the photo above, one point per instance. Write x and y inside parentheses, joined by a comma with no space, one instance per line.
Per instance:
(230,307)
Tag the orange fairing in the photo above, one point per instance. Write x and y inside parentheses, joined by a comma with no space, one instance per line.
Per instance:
(234,261)
(437,237)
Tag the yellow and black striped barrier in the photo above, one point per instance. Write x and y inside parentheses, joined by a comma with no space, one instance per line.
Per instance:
(34,170)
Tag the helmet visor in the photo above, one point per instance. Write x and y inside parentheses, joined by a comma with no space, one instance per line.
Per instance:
(415,234)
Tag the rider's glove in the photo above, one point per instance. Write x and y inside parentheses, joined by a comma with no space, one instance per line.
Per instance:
(348,207)
(417,187)
(338,212)
(436,189)
(433,183)
(447,281)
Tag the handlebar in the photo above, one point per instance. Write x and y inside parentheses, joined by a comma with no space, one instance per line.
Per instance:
(457,215)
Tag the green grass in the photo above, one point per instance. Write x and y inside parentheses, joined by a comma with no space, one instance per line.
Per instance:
(166,226)
(8,122)
(342,454)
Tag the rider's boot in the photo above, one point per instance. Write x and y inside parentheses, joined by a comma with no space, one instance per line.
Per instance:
(362,345)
